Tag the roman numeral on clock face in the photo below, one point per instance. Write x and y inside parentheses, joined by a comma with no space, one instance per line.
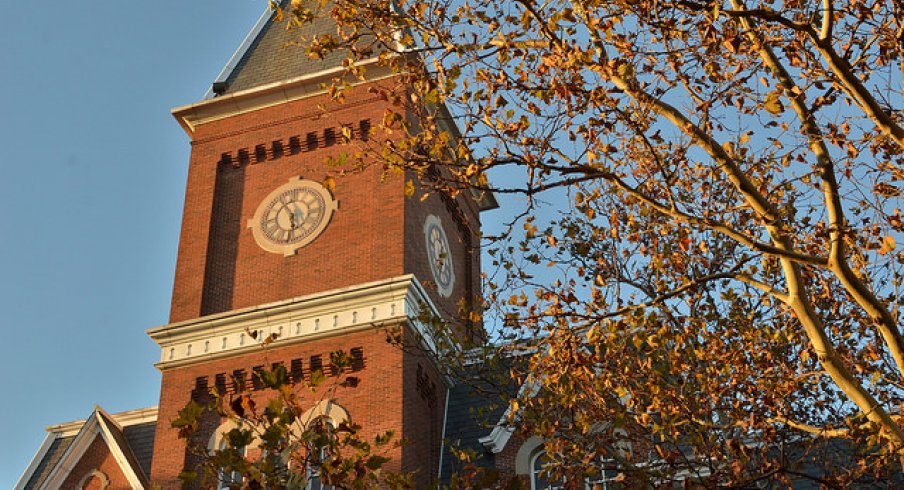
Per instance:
(292,215)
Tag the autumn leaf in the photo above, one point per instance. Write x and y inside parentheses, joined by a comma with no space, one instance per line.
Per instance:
(885,189)
(329,183)
(887,245)
(773,104)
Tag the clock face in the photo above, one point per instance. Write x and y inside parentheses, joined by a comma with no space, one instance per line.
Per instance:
(439,255)
(292,216)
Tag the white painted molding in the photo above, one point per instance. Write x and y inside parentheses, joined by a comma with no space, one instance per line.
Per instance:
(118,452)
(496,440)
(94,425)
(36,460)
(309,85)
(124,419)
(105,482)
(394,301)
(523,457)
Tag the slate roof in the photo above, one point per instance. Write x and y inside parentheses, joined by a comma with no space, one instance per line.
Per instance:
(140,438)
(476,405)
(50,459)
(278,53)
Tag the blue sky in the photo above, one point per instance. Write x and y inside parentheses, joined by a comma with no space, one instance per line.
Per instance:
(92,180)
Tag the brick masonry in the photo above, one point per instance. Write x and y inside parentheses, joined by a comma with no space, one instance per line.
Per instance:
(387,398)
(97,457)
(376,233)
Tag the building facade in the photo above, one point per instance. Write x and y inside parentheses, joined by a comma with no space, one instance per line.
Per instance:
(277,244)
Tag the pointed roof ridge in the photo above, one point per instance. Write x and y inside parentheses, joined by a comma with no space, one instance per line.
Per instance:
(272,53)
(98,423)
(240,52)
(122,446)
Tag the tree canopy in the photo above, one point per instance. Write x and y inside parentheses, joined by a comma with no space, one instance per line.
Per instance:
(701,216)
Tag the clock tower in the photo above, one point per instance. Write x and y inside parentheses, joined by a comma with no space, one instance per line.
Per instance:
(277,242)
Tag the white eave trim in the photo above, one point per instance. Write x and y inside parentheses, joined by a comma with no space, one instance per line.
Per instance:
(496,440)
(93,426)
(35,461)
(124,419)
(193,115)
(394,301)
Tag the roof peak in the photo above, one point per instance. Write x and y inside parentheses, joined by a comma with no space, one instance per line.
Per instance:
(271,52)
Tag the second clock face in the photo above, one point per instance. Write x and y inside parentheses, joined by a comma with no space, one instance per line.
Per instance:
(439,254)
(292,216)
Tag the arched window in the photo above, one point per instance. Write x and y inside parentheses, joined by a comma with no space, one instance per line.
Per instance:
(95,480)
(226,480)
(325,417)
(320,451)
(538,477)
(219,442)
(606,479)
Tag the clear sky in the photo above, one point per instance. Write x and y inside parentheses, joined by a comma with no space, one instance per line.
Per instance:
(92,180)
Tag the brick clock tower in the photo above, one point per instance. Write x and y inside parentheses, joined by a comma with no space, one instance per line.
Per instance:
(266,248)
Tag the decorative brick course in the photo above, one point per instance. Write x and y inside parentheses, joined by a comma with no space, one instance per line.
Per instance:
(376,234)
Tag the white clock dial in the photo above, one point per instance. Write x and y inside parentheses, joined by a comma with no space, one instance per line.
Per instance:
(439,254)
(292,216)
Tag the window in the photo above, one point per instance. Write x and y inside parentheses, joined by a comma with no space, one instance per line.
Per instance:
(539,479)
(219,442)
(225,480)
(320,453)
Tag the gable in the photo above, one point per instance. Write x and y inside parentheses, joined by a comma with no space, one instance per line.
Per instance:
(99,463)
(95,450)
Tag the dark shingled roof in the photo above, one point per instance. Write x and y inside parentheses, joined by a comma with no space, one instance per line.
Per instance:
(51,457)
(277,54)
(475,407)
(141,439)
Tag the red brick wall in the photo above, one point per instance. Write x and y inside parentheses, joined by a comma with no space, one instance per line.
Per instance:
(220,266)
(462,225)
(97,457)
(399,390)
(375,404)
(375,234)
(425,398)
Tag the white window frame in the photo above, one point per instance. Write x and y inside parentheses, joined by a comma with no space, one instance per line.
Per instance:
(218,442)
(604,482)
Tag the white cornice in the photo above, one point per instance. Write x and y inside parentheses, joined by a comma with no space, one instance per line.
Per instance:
(271,94)
(124,419)
(394,301)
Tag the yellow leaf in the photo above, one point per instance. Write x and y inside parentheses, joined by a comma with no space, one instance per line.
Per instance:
(277,12)
(888,245)
(773,104)
(409,188)
(330,183)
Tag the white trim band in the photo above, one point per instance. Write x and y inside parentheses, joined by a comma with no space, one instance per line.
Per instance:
(396,300)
